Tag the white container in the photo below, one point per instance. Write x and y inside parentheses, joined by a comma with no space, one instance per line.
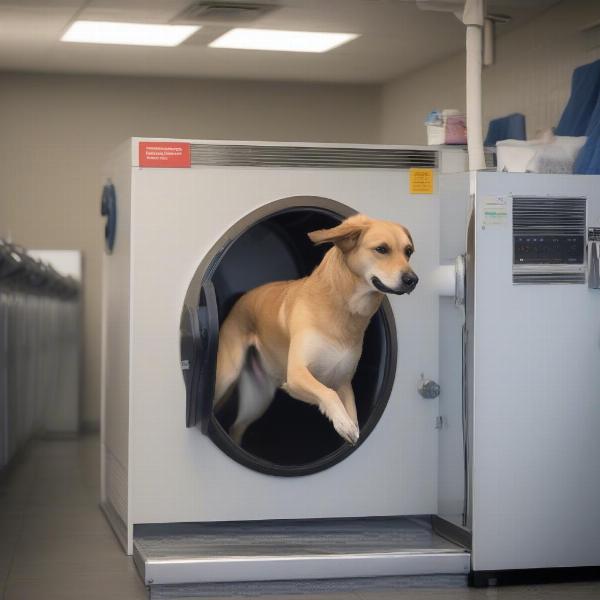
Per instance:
(514,156)
(550,154)
(436,135)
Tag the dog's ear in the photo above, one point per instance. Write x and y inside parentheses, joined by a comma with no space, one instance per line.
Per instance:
(345,235)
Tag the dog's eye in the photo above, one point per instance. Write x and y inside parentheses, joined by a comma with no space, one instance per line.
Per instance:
(409,252)
(382,249)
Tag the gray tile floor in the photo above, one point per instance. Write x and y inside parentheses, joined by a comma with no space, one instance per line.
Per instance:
(54,542)
(56,545)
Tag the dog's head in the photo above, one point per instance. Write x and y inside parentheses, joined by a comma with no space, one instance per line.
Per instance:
(377,251)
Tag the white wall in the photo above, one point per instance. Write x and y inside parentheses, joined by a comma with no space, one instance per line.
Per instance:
(532,75)
(56,131)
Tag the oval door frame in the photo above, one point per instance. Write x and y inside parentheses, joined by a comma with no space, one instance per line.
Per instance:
(196,336)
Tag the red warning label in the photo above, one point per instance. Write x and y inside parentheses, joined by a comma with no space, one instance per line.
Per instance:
(165,154)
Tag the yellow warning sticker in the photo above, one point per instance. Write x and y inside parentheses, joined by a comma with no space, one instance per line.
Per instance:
(420,181)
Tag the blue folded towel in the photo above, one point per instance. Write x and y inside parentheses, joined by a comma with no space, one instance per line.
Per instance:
(585,90)
(582,117)
(588,159)
(511,127)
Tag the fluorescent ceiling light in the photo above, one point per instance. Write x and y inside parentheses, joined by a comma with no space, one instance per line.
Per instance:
(129,34)
(283,41)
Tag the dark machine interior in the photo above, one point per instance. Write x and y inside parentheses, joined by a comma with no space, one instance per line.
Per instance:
(292,433)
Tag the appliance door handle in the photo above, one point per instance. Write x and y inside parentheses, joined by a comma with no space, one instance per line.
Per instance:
(108,209)
(203,367)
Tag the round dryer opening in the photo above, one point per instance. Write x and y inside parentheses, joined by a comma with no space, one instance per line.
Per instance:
(292,437)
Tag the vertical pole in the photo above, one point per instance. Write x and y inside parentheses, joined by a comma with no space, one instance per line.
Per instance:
(473,17)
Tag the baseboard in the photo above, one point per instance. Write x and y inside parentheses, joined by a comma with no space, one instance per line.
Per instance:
(57,436)
(114,520)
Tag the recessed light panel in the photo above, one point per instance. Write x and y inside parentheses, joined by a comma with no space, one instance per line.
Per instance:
(281,41)
(129,34)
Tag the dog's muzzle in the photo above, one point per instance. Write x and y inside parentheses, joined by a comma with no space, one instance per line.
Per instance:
(409,283)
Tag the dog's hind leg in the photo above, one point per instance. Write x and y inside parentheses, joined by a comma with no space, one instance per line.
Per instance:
(255,391)
(233,345)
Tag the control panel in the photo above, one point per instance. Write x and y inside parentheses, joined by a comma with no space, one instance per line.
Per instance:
(549,240)
(548,249)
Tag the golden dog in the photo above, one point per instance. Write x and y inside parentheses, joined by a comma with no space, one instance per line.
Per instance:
(308,333)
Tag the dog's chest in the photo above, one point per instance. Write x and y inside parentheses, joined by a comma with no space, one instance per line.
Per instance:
(332,364)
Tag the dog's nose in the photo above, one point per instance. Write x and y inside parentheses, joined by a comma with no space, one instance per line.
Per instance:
(410,279)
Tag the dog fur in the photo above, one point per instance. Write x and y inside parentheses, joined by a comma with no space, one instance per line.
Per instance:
(308,333)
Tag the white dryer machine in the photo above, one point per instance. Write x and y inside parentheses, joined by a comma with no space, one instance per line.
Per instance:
(191,225)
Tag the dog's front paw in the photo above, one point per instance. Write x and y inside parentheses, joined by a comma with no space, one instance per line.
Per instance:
(346,428)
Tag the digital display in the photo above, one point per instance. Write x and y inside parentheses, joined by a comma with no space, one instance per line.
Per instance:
(548,249)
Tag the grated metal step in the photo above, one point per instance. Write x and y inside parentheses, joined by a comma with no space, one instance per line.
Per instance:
(202,553)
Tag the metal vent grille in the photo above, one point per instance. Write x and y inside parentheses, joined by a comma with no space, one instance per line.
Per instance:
(222,12)
(558,216)
(549,278)
(238,155)
(548,240)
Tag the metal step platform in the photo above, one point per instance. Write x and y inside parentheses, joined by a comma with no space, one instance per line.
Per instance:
(267,551)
